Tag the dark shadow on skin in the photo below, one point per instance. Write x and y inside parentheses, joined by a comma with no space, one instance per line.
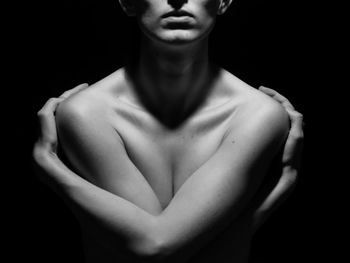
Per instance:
(271,180)
(178,115)
(244,221)
(141,6)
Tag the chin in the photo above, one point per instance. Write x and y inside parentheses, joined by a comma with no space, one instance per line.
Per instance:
(176,37)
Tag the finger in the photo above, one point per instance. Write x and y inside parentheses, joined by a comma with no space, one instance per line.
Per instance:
(47,123)
(70,92)
(280,98)
(297,123)
(293,147)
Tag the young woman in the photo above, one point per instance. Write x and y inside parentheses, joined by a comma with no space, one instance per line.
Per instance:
(168,155)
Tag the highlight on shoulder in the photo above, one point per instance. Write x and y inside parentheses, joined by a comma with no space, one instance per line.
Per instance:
(249,96)
(86,104)
(255,108)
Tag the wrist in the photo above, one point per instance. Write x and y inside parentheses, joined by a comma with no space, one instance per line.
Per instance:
(52,171)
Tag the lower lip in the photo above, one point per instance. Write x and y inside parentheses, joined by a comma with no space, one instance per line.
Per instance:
(179,19)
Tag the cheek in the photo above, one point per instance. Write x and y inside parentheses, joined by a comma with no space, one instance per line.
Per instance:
(146,13)
(148,20)
(211,7)
(208,12)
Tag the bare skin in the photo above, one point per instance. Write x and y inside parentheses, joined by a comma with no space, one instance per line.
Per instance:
(166,176)
(177,190)
(65,183)
(165,158)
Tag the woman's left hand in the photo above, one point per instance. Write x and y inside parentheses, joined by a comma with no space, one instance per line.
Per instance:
(291,159)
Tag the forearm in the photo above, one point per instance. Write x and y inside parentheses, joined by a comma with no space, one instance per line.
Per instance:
(125,226)
(128,226)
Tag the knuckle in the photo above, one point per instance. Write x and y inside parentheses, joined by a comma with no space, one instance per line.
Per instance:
(52,99)
(297,136)
(298,115)
(64,96)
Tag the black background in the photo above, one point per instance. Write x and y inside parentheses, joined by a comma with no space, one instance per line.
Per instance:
(60,44)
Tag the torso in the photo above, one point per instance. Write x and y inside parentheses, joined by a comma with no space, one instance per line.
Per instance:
(167,157)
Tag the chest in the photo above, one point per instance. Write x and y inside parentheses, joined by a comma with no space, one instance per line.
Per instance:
(168,157)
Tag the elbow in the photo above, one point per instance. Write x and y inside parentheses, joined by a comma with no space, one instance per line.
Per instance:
(153,248)
(147,253)
(150,251)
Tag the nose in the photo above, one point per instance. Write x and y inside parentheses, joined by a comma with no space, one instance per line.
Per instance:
(177,4)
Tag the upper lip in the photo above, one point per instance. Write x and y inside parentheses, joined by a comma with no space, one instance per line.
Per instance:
(177,13)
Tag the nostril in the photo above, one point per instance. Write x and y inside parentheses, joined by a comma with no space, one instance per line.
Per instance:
(177,4)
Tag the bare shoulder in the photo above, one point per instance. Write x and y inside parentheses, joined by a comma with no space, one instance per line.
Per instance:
(256,110)
(78,107)
(92,102)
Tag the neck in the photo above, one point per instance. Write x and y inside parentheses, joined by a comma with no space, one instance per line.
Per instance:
(173,74)
(171,82)
(174,62)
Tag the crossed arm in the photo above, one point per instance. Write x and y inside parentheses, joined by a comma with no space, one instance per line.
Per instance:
(212,196)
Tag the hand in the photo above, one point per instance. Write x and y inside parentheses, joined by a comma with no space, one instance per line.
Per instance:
(291,159)
(45,148)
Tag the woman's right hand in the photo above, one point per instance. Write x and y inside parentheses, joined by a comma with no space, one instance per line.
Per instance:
(45,157)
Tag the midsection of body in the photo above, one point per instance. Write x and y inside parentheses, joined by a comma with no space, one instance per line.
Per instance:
(167,158)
